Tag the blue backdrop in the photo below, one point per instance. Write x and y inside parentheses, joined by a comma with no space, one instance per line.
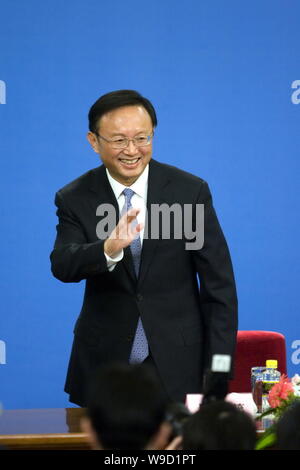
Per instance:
(224,78)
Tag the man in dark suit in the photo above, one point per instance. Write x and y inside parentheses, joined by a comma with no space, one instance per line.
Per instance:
(142,301)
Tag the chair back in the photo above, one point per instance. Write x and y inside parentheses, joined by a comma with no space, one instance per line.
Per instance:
(253,349)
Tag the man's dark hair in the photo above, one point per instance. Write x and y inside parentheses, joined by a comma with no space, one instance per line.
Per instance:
(118,99)
(288,429)
(126,406)
(219,425)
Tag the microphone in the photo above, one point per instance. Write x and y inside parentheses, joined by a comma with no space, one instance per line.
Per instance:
(216,380)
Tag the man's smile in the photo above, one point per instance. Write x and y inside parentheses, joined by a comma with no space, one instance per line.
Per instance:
(130,162)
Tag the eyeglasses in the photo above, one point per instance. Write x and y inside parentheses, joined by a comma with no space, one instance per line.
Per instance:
(123,142)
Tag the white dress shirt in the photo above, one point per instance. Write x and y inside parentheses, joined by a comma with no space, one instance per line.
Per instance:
(138,201)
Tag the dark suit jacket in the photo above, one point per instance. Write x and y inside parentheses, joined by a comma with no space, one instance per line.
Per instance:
(184,325)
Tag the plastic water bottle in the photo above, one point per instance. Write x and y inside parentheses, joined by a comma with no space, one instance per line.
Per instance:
(256,386)
(270,377)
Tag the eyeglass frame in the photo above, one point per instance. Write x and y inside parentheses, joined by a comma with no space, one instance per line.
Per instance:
(149,137)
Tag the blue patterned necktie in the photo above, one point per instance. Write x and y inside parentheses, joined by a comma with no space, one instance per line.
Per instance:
(140,348)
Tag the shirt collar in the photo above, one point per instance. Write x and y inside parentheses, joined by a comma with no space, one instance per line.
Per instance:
(139,186)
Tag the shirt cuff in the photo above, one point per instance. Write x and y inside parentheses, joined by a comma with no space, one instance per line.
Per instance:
(111,262)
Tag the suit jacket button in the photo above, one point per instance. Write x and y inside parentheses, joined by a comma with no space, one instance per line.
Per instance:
(139,297)
(130,337)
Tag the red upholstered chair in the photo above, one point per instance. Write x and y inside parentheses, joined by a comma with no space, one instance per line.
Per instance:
(253,349)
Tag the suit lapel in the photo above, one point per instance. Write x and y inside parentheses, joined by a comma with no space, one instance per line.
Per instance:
(157,185)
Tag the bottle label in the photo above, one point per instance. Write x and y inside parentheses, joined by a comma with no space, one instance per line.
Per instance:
(267,385)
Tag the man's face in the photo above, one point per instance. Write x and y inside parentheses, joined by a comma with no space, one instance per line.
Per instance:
(126,164)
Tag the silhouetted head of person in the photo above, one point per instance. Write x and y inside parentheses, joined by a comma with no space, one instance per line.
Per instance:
(126,409)
(219,426)
(288,429)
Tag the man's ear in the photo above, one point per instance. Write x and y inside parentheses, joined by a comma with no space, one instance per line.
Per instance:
(93,142)
(87,428)
(161,438)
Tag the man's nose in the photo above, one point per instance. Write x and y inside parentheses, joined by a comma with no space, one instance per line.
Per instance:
(131,148)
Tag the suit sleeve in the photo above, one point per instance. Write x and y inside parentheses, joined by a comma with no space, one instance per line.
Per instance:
(73,257)
(217,284)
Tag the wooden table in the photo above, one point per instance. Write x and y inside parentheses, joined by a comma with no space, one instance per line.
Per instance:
(42,429)
(48,429)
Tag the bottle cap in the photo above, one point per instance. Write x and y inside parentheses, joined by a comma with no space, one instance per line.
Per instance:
(272,363)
